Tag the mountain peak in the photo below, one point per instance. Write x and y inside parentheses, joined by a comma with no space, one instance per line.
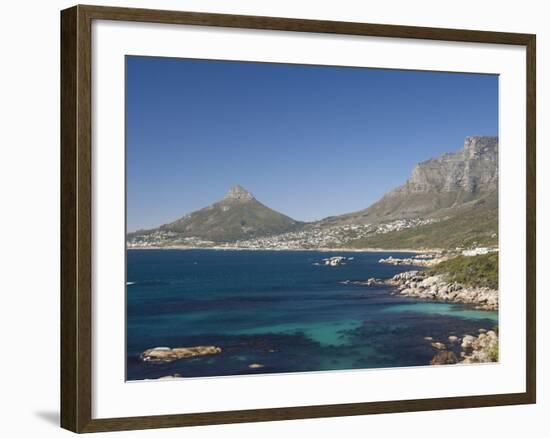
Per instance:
(237,217)
(238,193)
(475,146)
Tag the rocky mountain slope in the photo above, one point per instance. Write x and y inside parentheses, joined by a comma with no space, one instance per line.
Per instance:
(441,186)
(237,216)
(449,201)
(459,191)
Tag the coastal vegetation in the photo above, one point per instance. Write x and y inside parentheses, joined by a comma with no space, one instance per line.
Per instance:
(493,352)
(476,271)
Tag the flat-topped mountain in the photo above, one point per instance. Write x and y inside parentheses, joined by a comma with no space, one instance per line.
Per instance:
(448,201)
(437,186)
(237,216)
(470,171)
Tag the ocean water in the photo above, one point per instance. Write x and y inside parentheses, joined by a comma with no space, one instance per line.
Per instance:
(280,310)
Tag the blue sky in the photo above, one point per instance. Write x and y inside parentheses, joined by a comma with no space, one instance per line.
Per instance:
(308,141)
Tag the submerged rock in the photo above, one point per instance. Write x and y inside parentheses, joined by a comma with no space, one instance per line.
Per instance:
(166,354)
(372,281)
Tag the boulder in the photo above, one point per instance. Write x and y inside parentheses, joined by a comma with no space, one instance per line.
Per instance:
(444,358)
(467,341)
(438,345)
(166,354)
(170,377)
(484,348)
(256,365)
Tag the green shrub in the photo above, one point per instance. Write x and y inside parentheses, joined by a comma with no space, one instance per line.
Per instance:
(476,271)
(493,353)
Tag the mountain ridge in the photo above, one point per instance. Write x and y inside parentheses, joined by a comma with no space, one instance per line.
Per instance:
(456,192)
(441,183)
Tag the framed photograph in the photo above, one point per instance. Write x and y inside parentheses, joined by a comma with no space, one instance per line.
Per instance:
(270,218)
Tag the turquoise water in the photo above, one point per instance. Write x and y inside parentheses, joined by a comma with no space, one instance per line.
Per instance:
(279,309)
(436,308)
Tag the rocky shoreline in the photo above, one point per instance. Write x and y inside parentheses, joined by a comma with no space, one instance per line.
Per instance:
(419,285)
(425,260)
(468,349)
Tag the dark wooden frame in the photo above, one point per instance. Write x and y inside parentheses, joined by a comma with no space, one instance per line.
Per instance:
(76,173)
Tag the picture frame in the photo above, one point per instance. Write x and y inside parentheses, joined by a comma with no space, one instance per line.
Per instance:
(77,191)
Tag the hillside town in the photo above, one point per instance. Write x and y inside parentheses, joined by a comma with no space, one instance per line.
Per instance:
(309,237)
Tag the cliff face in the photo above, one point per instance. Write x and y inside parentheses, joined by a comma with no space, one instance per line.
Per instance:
(472,169)
(438,186)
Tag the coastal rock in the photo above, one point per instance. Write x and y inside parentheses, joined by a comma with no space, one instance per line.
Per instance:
(170,377)
(438,345)
(467,341)
(401,279)
(444,358)
(166,354)
(334,261)
(425,260)
(370,282)
(482,349)
(256,365)
(435,287)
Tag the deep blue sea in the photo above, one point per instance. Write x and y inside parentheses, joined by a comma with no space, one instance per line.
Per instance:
(280,310)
